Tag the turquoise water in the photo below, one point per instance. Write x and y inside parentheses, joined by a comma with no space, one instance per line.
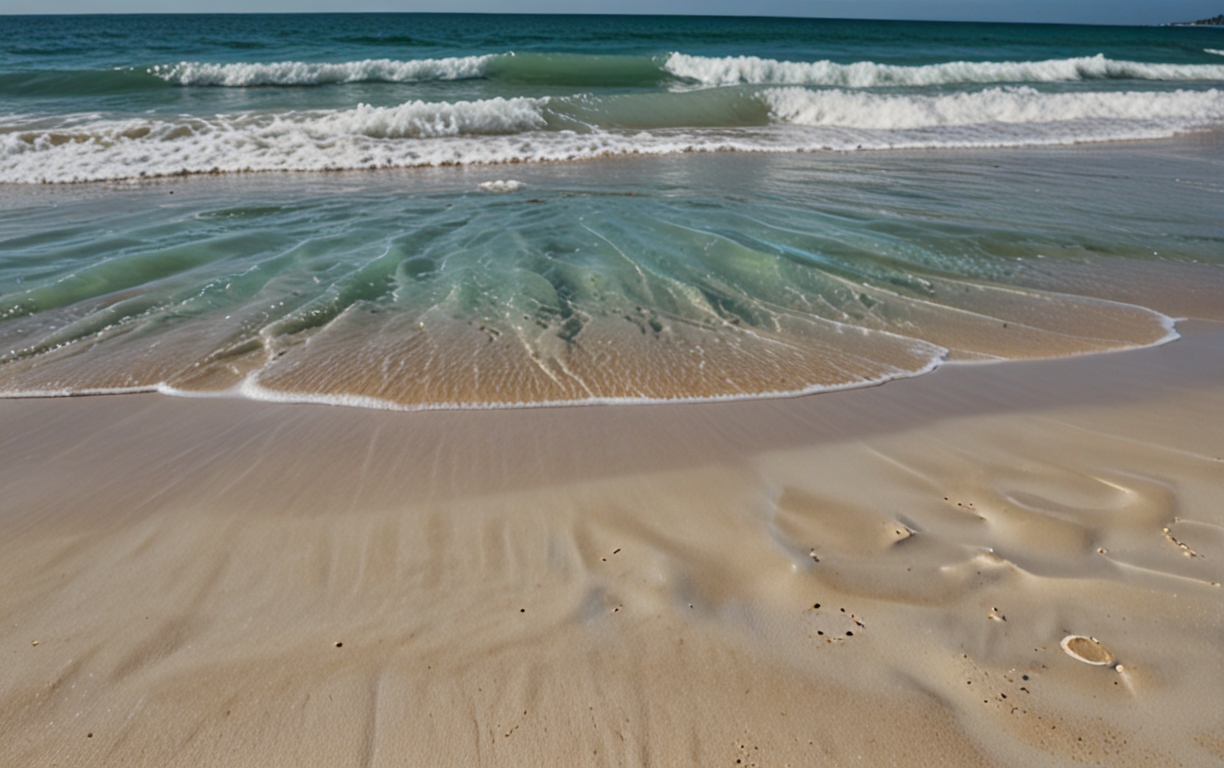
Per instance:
(571,209)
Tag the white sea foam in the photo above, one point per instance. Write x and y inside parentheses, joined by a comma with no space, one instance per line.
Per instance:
(736,70)
(91,148)
(1213,51)
(84,150)
(309,73)
(420,119)
(498,186)
(855,109)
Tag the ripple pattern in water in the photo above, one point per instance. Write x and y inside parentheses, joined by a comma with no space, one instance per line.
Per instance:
(693,278)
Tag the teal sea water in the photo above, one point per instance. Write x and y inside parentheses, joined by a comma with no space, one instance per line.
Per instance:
(521,210)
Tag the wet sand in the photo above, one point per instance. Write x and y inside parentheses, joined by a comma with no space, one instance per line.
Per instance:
(1012,564)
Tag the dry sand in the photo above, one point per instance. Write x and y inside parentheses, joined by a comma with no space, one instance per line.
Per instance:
(876,577)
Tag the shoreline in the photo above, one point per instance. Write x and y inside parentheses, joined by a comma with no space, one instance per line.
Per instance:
(767,423)
(249,389)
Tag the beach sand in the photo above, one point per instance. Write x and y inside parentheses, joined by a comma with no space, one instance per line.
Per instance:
(871,577)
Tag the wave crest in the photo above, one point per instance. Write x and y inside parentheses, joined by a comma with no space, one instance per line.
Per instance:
(422,120)
(243,75)
(750,70)
(708,71)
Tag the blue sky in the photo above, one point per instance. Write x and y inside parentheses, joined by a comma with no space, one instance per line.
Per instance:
(1055,11)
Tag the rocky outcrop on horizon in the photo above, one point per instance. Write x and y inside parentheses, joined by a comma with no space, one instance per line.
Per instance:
(1217,21)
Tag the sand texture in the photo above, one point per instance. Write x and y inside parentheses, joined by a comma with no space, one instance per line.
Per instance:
(1014,564)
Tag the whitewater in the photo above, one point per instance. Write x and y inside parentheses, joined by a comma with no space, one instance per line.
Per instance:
(533,105)
(275,103)
(77,148)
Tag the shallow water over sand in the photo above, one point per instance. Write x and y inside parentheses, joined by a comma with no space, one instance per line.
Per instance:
(636,279)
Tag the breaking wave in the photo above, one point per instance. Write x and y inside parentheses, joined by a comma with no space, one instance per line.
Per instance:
(418,133)
(734,70)
(242,75)
(641,70)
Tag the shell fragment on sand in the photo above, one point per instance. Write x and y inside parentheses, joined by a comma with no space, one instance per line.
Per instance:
(1087,650)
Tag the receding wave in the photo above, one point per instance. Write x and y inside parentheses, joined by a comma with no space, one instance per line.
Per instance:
(418,133)
(1213,51)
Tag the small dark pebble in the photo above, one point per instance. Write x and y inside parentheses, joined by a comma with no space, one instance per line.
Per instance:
(849,634)
(339,645)
(90,735)
(817,605)
(522,610)
(1024,677)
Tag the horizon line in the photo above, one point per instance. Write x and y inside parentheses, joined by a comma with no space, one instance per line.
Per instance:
(22,14)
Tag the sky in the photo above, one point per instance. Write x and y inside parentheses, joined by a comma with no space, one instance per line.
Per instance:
(1039,11)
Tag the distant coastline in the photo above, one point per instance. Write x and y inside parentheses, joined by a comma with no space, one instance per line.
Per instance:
(1216,21)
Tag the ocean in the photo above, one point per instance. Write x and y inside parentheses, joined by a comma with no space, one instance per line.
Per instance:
(439,211)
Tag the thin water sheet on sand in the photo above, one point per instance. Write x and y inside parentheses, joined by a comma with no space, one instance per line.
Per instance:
(867,577)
